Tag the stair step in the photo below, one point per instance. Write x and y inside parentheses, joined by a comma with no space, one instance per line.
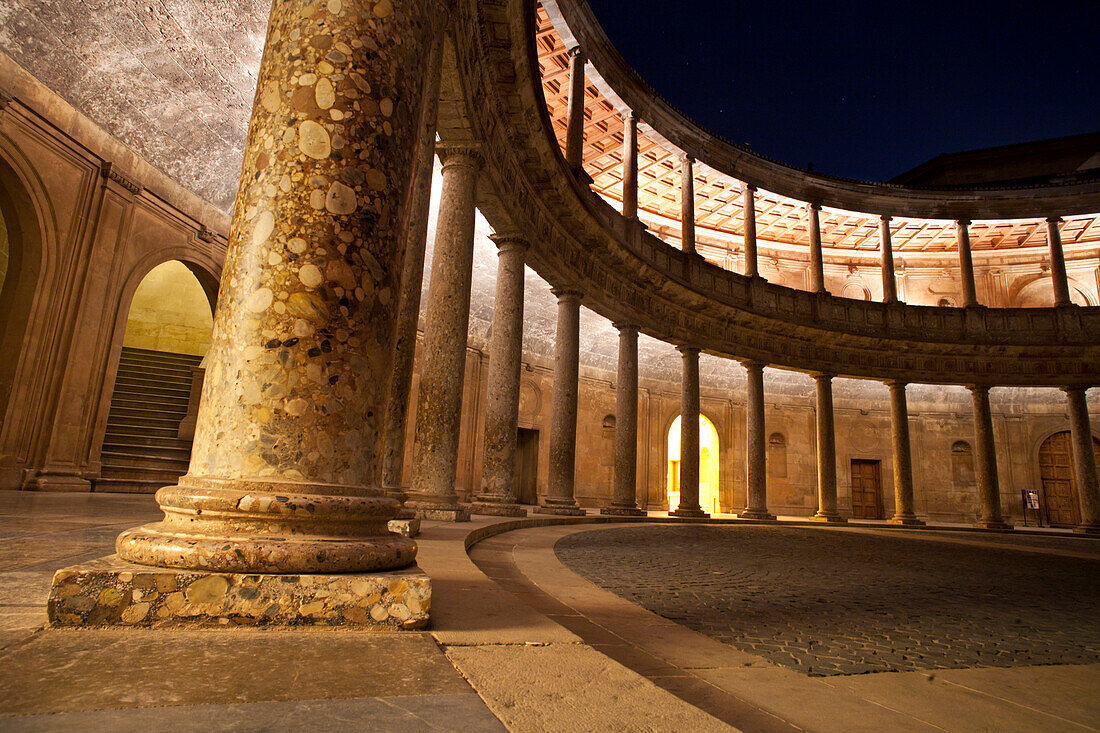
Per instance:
(167,474)
(124,420)
(145,442)
(145,402)
(131,388)
(171,453)
(124,460)
(129,351)
(129,486)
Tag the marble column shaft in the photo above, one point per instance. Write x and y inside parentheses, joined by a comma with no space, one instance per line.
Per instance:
(285,466)
(687,204)
(903,460)
(443,370)
(498,472)
(1057,263)
(826,451)
(756,506)
(748,204)
(985,464)
(624,502)
(563,408)
(1084,460)
(630,166)
(689,435)
(817,263)
(574,114)
(889,284)
(408,308)
(966,264)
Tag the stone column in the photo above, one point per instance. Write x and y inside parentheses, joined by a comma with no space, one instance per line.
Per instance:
(985,464)
(966,264)
(285,466)
(630,165)
(574,114)
(1084,460)
(624,501)
(443,370)
(408,307)
(889,285)
(563,408)
(756,506)
(1057,262)
(687,204)
(826,452)
(903,462)
(498,469)
(748,207)
(689,436)
(817,263)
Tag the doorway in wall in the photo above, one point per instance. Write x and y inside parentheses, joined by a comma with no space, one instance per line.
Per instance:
(1059,482)
(527,466)
(708,465)
(866,489)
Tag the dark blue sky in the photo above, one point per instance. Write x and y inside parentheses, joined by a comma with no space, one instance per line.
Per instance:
(868,88)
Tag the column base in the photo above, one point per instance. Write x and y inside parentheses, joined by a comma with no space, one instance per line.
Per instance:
(1092,529)
(112,592)
(992,524)
(439,511)
(486,506)
(905,520)
(622,511)
(58,482)
(689,513)
(757,514)
(561,509)
(830,517)
(405,526)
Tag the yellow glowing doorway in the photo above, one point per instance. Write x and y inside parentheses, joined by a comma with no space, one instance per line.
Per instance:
(708,465)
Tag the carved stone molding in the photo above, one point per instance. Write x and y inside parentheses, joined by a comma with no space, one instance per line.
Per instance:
(111,172)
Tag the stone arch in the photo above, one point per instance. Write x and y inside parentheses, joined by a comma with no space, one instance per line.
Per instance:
(855,290)
(710,443)
(1037,291)
(777,455)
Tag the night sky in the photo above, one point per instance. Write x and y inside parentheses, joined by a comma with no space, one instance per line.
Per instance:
(868,88)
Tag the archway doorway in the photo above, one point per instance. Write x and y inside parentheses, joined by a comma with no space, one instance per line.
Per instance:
(708,465)
(168,329)
(1058,480)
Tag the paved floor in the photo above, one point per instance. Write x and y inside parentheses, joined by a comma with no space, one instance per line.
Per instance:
(842,602)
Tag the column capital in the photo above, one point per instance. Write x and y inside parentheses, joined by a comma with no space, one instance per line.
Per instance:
(1054,219)
(813,206)
(895,384)
(623,326)
(824,376)
(962,223)
(567,294)
(685,350)
(510,240)
(685,158)
(463,154)
(979,387)
(1074,388)
(885,218)
(574,52)
(628,115)
(747,187)
(753,364)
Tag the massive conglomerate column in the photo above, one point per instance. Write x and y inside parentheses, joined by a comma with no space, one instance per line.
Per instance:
(748,208)
(687,204)
(889,283)
(989,488)
(689,436)
(966,263)
(1084,460)
(817,261)
(624,502)
(563,408)
(826,452)
(439,400)
(498,471)
(1057,262)
(630,165)
(756,505)
(903,461)
(285,464)
(574,113)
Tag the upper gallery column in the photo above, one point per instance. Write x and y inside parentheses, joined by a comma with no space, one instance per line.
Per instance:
(574,114)
(630,165)
(439,399)
(498,472)
(903,461)
(1057,262)
(889,283)
(623,502)
(817,263)
(408,309)
(285,466)
(689,435)
(756,505)
(748,209)
(966,263)
(989,489)
(687,203)
(563,408)
(826,452)
(1084,460)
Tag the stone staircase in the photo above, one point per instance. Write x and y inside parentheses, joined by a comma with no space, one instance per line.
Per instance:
(141,450)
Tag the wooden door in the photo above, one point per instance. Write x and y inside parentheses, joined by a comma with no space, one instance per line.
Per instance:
(527,466)
(866,489)
(1059,482)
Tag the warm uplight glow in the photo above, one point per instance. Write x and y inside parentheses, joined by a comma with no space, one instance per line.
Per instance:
(708,465)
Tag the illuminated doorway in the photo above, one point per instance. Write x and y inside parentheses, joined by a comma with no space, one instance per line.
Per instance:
(708,465)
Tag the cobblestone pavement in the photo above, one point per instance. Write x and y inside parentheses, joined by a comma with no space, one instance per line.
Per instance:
(834,602)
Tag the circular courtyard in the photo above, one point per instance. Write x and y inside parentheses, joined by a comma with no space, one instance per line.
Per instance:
(843,601)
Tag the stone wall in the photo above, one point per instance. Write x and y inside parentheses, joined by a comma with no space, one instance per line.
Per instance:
(169,312)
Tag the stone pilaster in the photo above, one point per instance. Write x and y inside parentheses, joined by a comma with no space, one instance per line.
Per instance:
(966,264)
(439,400)
(1084,460)
(689,436)
(756,506)
(563,408)
(1057,262)
(624,502)
(285,467)
(817,262)
(574,134)
(985,463)
(889,284)
(748,208)
(498,471)
(630,165)
(687,203)
(826,452)
(903,461)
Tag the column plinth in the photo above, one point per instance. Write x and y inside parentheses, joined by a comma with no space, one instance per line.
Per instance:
(498,487)
(1084,461)
(826,453)
(903,462)
(989,489)
(689,436)
(756,505)
(563,408)
(285,463)
(624,502)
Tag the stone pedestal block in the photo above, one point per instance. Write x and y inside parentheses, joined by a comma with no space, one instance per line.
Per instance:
(497,509)
(405,526)
(563,510)
(622,511)
(441,512)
